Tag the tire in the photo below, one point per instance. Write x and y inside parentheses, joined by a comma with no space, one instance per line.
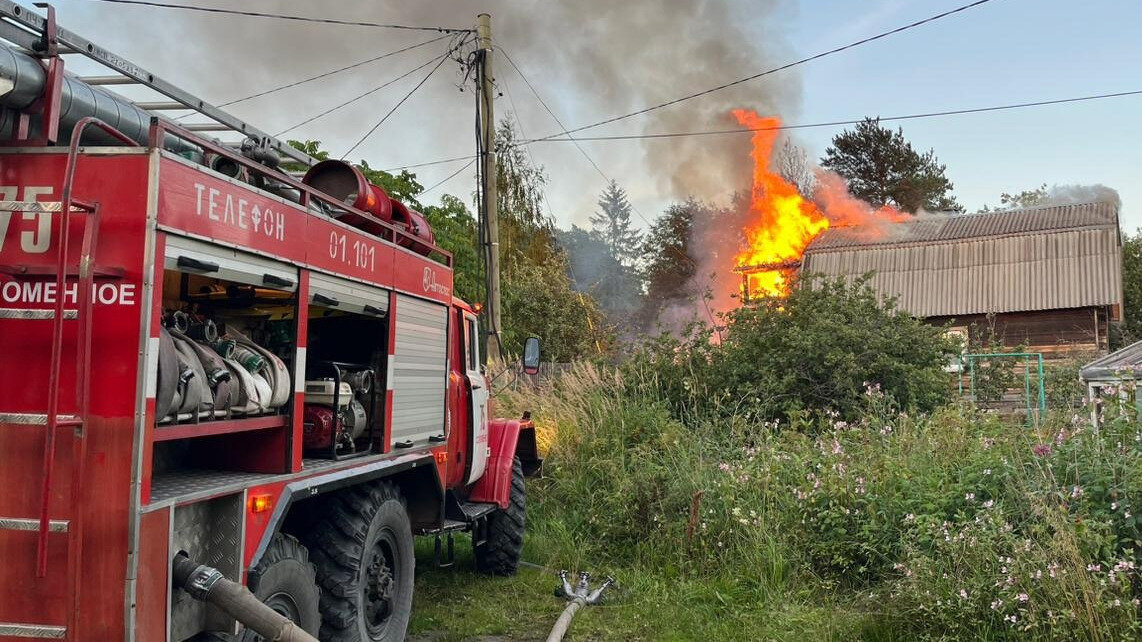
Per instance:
(362,549)
(500,553)
(286,581)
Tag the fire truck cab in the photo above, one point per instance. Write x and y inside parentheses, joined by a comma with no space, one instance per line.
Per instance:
(205,358)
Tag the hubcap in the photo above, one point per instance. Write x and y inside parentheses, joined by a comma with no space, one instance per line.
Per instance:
(380,581)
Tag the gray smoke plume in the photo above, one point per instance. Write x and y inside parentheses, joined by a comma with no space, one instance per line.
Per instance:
(591,59)
(1069,194)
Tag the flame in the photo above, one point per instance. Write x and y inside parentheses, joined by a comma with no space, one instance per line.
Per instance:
(783,222)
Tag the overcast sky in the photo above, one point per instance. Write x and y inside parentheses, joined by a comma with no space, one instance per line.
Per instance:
(592,59)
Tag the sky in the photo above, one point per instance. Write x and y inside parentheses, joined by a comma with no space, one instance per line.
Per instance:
(592,59)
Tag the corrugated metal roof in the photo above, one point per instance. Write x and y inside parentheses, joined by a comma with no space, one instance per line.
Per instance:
(1126,362)
(1042,259)
(931,228)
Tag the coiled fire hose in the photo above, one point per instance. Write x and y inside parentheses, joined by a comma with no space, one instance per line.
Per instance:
(209,585)
(578,597)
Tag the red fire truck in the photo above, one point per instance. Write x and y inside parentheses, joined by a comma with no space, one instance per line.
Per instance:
(212,366)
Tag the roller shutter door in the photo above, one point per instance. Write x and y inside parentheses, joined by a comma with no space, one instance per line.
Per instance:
(419,370)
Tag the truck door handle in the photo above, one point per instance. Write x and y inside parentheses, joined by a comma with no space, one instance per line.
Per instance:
(195,264)
(476,386)
(325,300)
(403,444)
(277,281)
(437,438)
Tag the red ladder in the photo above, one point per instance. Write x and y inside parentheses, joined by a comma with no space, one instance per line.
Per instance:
(52,420)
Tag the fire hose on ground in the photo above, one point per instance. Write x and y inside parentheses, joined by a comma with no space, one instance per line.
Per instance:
(209,585)
(578,597)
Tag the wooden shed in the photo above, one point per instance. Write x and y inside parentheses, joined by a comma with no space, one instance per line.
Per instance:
(1046,278)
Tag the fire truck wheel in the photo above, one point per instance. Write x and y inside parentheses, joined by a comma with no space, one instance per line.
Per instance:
(286,581)
(363,551)
(501,550)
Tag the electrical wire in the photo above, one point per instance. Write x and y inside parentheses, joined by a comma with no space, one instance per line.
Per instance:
(543,191)
(450,177)
(395,107)
(372,91)
(836,123)
(428,164)
(260,14)
(332,72)
(789,65)
(680,253)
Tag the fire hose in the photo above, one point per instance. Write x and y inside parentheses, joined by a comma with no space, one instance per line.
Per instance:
(209,585)
(578,597)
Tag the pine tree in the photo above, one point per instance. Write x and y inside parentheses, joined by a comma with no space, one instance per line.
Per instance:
(882,168)
(612,223)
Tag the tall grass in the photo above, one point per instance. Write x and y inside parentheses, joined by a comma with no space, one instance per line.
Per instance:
(949,526)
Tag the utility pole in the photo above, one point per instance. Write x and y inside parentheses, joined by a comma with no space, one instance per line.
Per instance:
(492,346)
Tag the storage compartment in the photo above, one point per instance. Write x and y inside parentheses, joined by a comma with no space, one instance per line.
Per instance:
(347,354)
(228,341)
(224,388)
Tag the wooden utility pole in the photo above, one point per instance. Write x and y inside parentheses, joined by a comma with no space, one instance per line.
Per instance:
(492,347)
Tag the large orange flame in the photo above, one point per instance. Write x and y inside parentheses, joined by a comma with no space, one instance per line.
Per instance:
(783,222)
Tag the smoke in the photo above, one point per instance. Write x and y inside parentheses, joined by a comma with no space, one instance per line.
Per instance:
(1071,194)
(591,59)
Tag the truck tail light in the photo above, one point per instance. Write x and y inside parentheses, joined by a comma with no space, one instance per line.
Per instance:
(261,503)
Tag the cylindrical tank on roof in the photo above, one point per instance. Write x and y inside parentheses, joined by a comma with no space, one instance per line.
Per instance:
(25,77)
(414,223)
(347,184)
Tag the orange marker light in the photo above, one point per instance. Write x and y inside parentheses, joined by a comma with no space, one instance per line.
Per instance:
(441,456)
(477,307)
(261,503)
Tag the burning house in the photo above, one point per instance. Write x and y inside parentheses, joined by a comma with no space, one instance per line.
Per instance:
(1047,278)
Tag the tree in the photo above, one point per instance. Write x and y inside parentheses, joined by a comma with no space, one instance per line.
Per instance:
(1132,285)
(1026,198)
(612,223)
(793,165)
(669,265)
(455,230)
(882,168)
(596,271)
(537,294)
(539,301)
(527,233)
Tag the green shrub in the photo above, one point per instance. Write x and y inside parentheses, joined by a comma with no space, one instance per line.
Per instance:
(822,348)
(891,513)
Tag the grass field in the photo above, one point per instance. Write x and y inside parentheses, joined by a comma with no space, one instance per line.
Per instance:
(456,604)
(952,526)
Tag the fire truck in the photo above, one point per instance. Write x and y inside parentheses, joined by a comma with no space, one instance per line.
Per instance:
(232,394)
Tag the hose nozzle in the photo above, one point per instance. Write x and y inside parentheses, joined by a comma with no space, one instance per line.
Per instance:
(564,590)
(596,596)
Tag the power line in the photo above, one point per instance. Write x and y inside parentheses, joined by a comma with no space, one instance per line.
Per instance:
(331,72)
(772,71)
(450,177)
(836,123)
(412,91)
(430,163)
(374,90)
(551,113)
(650,225)
(259,14)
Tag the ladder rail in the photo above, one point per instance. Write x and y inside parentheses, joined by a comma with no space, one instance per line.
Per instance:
(84,310)
(27,29)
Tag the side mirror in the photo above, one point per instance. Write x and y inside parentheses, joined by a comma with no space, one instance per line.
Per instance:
(531,356)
